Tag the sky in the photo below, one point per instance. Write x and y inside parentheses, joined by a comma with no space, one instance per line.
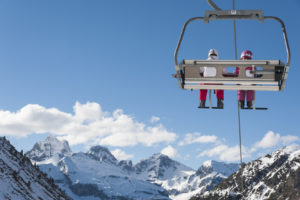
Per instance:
(99,73)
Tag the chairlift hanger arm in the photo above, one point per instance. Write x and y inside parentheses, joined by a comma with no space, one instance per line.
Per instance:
(285,37)
(178,71)
(213,5)
(181,37)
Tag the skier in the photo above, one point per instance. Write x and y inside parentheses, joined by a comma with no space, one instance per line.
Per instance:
(246,55)
(211,72)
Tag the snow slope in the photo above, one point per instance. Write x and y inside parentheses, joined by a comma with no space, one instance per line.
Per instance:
(181,181)
(274,176)
(99,174)
(21,180)
(96,174)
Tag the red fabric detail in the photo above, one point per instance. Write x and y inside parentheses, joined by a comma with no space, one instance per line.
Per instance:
(237,69)
(202,95)
(220,94)
(243,93)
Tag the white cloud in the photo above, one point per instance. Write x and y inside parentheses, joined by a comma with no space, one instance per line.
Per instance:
(88,125)
(191,138)
(231,154)
(214,151)
(289,139)
(170,151)
(121,155)
(271,139)
(226,153)
(154,119)
(88,112)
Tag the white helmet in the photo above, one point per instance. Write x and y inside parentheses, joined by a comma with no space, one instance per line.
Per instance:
(213,52)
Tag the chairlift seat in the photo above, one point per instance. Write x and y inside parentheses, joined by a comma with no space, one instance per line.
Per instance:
(271,75)
(268,75)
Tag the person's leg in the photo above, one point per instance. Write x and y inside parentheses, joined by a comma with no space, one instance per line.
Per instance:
(220,98)
(241,95)
(241,98)
(220,94)
(202,97)
(250,95)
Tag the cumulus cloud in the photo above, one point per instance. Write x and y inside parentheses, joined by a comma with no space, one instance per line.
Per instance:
(88,125)
(271,139)
(232,153)
(289,139)
(121,155)
(191,138)
(226,153)
(170,151)
(154,119)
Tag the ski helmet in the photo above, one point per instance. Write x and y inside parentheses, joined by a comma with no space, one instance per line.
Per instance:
(213,52)
(247,55)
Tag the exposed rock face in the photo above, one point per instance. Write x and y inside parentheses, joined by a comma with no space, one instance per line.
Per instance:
(275,176)
(102,154)
(48,148)
(21,180)
(99,174)
(95,174)
(180,181)
(159,166)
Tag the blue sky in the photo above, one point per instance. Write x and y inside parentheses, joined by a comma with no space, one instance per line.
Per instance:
(99,72)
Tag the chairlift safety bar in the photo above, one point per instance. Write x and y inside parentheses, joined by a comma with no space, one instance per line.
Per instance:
(233,14)
(267,75)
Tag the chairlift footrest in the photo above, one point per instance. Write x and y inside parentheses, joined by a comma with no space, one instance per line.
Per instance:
(254,108)
(206,107)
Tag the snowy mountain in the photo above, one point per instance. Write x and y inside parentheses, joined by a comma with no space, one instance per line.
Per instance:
(48,148)
(21,180)
(102,154)
(275,176)
(180,181)
(160,167)
(96,175)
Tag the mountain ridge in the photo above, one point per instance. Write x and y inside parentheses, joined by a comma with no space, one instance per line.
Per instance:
(22,180)
(164,176)
(273,176)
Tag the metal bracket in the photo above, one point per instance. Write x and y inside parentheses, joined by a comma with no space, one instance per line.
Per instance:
(233,14)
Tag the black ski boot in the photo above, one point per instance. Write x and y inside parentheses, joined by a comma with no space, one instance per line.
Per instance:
(202,104)
(249,104)
(220,103)
(242,104)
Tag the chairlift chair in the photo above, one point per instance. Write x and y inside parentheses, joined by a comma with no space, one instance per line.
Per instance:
(269,75)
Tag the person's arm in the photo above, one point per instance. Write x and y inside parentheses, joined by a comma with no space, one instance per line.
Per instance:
(201,71)
(248,72)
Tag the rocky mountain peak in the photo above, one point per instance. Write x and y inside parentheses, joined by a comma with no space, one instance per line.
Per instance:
(218,167)
(102,154)
(159,166)
(274,176)
(21,180)
(51,146)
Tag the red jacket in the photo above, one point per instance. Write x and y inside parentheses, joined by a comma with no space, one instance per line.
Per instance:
(248,69)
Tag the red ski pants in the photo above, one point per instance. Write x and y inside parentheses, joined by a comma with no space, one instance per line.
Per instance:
(243,93)
(203,93)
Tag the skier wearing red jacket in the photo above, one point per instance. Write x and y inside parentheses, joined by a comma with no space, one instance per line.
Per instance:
(246,55)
